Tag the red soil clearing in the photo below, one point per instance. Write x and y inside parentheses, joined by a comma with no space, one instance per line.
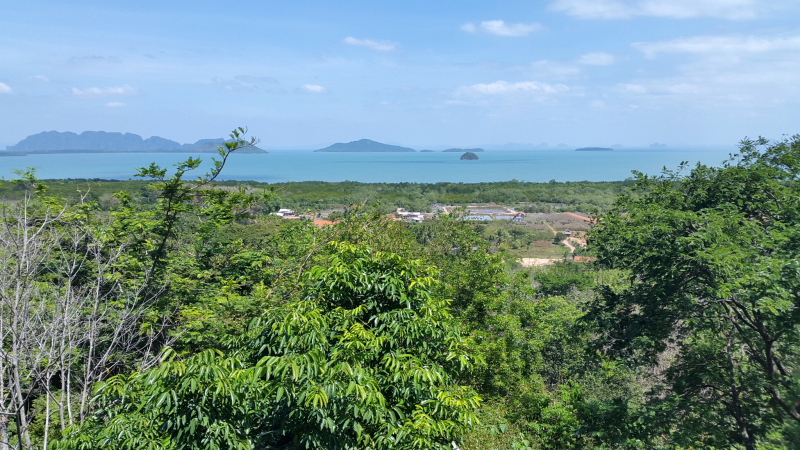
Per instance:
(578,216)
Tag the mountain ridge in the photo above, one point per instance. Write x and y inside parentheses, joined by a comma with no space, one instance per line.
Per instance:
(112,142)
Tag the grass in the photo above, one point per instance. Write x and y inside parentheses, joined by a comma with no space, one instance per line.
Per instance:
(549,252)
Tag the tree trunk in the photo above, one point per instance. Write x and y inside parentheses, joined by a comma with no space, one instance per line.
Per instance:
(4,445)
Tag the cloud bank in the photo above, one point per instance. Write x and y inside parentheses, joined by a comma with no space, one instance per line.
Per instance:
(95,92)
(381,46)
(504,87)
(597,59)
(720,45)
(500,28)
(675,9)
(314,88)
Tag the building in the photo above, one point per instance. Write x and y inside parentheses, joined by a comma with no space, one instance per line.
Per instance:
(283,212)
(410,216)
(487,213)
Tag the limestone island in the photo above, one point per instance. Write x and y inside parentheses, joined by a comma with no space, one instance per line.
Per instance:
(469,156)
(112,142)
(364,145)
(594,149)
(459,150)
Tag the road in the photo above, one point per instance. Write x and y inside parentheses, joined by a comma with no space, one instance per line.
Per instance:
(565,241)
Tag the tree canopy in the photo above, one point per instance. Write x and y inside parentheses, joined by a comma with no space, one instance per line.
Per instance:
(713,301)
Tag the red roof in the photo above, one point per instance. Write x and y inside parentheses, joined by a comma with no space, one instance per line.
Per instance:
(324,223)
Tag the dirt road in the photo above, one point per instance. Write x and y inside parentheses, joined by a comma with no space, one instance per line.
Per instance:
(538,262)
(565,241)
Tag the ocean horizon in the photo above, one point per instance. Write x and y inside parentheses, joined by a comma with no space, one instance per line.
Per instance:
(418,167)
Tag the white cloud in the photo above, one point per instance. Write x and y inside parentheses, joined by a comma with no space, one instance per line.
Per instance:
(724,70)
(381,46)
(469,28)
(94,92)
(553,69)
(675,9)
(635,88)
(314,88)
(500,28)
(116,105)
(504,87)
(4,88)
(674,86)
(597,59)
(39,78)
(720,44)
(683,88)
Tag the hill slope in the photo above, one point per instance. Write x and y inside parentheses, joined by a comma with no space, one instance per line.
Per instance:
(364,145)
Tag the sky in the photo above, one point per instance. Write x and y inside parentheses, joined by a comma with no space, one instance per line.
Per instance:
(417,73)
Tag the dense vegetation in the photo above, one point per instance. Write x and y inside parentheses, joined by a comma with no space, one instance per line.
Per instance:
(179,314)
(584,196)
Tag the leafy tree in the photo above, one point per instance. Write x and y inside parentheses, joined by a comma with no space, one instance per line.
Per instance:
(562,278)
(713,303)
(362,360)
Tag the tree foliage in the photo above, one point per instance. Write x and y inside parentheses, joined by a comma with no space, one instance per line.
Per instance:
(714,294)
(359,361)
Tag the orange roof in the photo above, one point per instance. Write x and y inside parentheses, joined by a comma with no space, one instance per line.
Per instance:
(324,223)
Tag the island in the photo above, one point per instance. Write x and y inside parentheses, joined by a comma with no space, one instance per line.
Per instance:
(459,150)
(594,149)
(112,142)
(469,156)
(365,145)
(426,151)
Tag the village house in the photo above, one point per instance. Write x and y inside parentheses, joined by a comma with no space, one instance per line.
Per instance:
(410,216)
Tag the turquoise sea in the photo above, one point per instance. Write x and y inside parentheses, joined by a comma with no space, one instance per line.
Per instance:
(296,165)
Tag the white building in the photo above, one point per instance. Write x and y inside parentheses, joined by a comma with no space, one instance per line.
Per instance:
(283,212)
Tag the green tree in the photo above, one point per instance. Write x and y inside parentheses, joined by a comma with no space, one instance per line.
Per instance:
(713,303)
(362,360)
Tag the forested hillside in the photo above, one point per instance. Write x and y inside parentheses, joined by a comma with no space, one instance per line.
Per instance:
(178,313)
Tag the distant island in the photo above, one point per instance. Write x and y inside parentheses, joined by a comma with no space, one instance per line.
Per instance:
(594,149)
(426,151)
(364,145)
(112,142)
(469,156)
(459,150)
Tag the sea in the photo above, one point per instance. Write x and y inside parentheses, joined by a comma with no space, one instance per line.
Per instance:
(419,167)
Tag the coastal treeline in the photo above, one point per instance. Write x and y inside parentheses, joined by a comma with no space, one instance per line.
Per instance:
(583,196)
(198,320)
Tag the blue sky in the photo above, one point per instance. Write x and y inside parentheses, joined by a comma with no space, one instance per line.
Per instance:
(416,73)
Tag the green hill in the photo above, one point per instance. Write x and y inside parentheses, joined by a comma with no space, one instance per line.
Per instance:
(364,145)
